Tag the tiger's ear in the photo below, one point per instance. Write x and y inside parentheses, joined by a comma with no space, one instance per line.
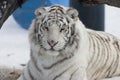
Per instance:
(73,13)
(40,11)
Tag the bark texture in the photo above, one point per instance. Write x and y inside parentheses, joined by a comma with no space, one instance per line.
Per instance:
(115,3)
(7,7)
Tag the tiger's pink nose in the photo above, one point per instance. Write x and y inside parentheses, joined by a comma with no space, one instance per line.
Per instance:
(52,43)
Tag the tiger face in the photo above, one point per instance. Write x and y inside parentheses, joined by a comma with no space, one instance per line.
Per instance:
(54,27)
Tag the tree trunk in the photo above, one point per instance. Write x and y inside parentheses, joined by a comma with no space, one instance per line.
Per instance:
(7,7)
(115,3)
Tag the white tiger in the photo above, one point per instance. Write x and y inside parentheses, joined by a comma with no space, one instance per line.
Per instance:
(63,49)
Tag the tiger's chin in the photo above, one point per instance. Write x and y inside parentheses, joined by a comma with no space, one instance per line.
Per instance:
(52,53)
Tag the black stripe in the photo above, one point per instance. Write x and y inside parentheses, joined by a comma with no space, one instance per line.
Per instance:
(29,71)
(94,48)
(99,55)
(56,6)
(107,40)
(61,19)
(62,73)
(72,38)
(56,63)
(71,41)
(116,64)
(67,31)
(72,29)
(42,19)
(61,11)
(35,63)
(52,10)
(35,27)
(107,46)
(24,78)
(68,21)
(110,71)
(105,55)
(116,46)
(109,52)
(73,74)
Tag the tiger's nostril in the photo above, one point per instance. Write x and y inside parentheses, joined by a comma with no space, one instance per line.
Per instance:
(52,43)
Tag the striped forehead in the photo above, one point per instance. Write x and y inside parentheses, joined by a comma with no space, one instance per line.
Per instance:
(56,9)
(56,12)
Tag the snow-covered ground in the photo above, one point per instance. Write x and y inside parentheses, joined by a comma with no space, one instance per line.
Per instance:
(14,44)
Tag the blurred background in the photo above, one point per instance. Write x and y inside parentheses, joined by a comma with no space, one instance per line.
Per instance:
(25,14)
(14,43)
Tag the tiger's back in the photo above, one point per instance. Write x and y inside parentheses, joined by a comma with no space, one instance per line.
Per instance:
(104,61)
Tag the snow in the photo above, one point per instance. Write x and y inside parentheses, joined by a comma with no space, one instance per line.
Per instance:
(14,44)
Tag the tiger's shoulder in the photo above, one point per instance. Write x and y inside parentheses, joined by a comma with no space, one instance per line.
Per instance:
(104,36)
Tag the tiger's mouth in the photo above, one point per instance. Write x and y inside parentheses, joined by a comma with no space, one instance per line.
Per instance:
(49,49)
(58,46)
(52,49)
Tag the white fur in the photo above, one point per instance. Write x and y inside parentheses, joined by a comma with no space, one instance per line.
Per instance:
(79,61)
(75,66)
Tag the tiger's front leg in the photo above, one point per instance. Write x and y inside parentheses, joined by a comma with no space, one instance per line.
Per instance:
(79,75)
(73,74)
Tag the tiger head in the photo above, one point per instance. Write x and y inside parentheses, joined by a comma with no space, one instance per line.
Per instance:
(54,27)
